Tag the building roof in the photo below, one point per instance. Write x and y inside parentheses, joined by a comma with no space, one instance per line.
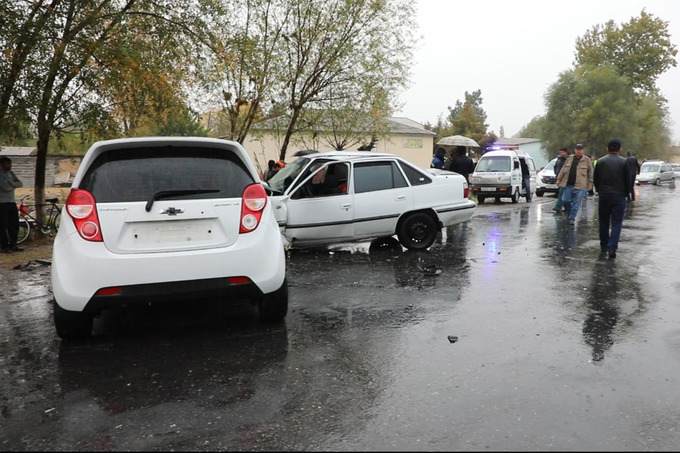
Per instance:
(401,125)
(17,150)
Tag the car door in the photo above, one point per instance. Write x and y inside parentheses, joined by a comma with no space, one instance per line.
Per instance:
(318,210)
(381,195)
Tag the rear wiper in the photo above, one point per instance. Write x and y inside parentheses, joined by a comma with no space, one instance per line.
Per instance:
(175,193)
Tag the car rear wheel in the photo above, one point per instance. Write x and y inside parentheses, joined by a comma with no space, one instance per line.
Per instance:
(418,231)
(273,307)
(539,192)
(515,196)
(71,324)
(657,182)
(480,199)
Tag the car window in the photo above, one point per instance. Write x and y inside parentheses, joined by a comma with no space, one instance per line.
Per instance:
(139,173)
(332,179)
(494,163)
(373,176)
(415,176)
(649,169)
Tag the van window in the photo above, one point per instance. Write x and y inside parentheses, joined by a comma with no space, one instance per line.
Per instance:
(494,163)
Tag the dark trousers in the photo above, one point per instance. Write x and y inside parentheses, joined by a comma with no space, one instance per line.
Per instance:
(9,225)
(610,209)
(632,187)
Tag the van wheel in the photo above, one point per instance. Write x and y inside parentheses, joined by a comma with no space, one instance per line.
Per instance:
(539,193)
(480,200)
(515,196)
(417,231)
(71,324)
(657,182)
(273,307)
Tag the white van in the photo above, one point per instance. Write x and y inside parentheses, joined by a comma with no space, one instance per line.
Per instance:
(498,175)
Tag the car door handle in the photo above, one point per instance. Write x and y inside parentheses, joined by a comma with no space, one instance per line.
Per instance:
(400,197)
(346,206)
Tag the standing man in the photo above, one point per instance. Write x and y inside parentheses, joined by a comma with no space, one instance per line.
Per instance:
(526,179)
(9,216)
(439,157)
(462,163)
(577,179)
(633,170)
(612,179)
(562,155)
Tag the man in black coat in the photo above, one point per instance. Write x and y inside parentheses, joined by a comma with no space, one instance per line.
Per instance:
(611,178)
(633,170)
(462,163)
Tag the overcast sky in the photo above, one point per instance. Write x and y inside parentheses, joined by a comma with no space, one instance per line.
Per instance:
(513,51)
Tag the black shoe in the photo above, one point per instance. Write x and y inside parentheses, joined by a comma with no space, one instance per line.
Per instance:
(603,249)
(5,250)
(16,249)
(612,255)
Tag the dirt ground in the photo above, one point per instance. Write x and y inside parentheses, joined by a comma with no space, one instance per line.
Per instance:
(35,249)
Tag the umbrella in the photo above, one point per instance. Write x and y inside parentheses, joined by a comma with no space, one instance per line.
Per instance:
(457,140)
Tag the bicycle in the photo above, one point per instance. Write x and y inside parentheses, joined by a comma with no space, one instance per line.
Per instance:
(28,220)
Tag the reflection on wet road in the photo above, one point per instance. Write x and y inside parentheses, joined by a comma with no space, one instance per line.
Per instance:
(558,348)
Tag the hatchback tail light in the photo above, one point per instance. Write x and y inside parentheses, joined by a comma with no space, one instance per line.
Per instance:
(466,190)
(82,208)
(254,200)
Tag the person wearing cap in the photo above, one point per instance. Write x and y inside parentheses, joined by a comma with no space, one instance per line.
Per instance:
(612,181)
(576,177)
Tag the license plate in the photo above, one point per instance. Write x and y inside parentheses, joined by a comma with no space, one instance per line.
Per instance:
(488,189)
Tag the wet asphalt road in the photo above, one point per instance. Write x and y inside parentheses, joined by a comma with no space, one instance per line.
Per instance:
(554,348)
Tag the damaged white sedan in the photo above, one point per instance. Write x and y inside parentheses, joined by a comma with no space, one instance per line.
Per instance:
(346,196)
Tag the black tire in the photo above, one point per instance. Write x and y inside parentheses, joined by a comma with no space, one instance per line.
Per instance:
(273,307)
(55,222)
(417,231)
(24,230)
(657,182)
(71,324)
(539,193)
(515,196)
(480,199)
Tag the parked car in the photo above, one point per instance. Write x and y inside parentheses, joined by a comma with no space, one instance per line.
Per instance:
(676,170)
(655,172)
(344,196)
(546,179)
(153,220)
(498,175)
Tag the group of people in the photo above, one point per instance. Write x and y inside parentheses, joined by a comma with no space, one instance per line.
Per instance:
(272,168)
(9,215)
(461,162)
(612,176)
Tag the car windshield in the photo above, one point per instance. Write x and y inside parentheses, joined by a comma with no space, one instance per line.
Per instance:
(284,177)
(649,169)
(550,165)
(493,163)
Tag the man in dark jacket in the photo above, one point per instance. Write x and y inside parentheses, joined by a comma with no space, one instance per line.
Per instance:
(462,163)
(438,160)
(633,170)
(612,179)
(562,155)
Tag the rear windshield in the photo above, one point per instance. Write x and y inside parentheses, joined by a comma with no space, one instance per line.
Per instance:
(139,173)
(494,163)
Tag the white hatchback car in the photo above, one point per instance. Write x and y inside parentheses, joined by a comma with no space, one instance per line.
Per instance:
(163,219)
(345,196)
